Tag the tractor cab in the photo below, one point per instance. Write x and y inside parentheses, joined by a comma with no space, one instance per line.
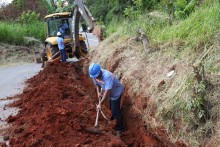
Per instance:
(67,23)
(58,22)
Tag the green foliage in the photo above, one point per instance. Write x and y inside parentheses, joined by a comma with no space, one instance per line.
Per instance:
(106,10)
(138,8)
(130,13)
(183,8)
(198,100)
(187,102)
(28,17)
(18,3)
(63,8)
(198,28)
(48,5)
(59,6)
(111,28)
(143,5)
(168,5)
(14,33)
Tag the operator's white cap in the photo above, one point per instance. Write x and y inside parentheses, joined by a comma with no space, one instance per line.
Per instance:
(58,34)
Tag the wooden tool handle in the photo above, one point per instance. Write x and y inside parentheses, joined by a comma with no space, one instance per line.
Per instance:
(97,118)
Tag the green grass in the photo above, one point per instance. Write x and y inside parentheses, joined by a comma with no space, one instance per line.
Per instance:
(14,33)
(197,28)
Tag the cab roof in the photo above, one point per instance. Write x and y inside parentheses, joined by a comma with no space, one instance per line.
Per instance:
(63,14)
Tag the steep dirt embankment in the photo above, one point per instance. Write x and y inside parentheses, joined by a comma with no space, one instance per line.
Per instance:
(59,104)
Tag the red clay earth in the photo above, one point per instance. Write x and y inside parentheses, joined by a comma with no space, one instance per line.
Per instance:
(59,104)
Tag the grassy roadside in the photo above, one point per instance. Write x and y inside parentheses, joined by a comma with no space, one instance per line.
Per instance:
(15,33)
(19,41)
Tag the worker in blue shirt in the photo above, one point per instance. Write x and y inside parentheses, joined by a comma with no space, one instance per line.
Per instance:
(63,27)
(61,46)
(108,85)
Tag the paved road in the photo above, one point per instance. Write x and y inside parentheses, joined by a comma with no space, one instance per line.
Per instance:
(92,40)
(12,82)
(12,78)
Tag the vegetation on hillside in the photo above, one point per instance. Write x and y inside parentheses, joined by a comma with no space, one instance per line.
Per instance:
(186,31)
(23,18)
(15,33)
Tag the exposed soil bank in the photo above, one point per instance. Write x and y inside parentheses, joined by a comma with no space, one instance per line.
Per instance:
(59,104)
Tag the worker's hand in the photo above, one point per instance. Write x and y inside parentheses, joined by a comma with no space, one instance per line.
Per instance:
(99,106)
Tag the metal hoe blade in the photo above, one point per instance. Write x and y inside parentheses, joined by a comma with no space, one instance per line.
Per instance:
(95,129)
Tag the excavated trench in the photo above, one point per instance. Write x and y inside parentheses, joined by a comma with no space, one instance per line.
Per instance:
(59,104)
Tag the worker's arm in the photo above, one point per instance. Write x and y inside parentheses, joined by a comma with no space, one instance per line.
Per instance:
(106,94)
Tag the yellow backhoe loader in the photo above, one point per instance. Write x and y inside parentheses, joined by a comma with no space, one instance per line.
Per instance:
(74,42)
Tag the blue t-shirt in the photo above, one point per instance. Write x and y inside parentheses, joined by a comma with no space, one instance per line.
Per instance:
(60,43)
(110,81)
(63,27)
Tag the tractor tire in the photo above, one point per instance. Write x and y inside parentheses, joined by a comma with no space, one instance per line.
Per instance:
(50,51)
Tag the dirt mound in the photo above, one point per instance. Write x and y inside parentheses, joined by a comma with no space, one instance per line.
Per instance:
(59,104)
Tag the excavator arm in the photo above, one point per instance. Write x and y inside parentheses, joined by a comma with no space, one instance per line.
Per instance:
(78,46)
(79,10)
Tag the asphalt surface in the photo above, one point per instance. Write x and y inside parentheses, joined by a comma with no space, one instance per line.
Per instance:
(92,40)
(12,82)
(12,78)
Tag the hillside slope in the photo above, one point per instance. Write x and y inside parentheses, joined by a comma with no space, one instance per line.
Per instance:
(163,86)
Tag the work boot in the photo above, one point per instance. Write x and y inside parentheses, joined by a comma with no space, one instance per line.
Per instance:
(116,128)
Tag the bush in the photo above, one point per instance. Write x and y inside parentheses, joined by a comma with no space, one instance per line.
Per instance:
(184,8)
(28,17)
(14,33)
(197,28)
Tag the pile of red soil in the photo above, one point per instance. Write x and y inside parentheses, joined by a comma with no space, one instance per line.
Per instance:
(59,104)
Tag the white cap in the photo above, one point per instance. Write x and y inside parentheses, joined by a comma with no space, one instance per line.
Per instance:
(59,34)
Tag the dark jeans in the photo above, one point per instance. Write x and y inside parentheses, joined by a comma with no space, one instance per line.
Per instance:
(116,113)
(63,55)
